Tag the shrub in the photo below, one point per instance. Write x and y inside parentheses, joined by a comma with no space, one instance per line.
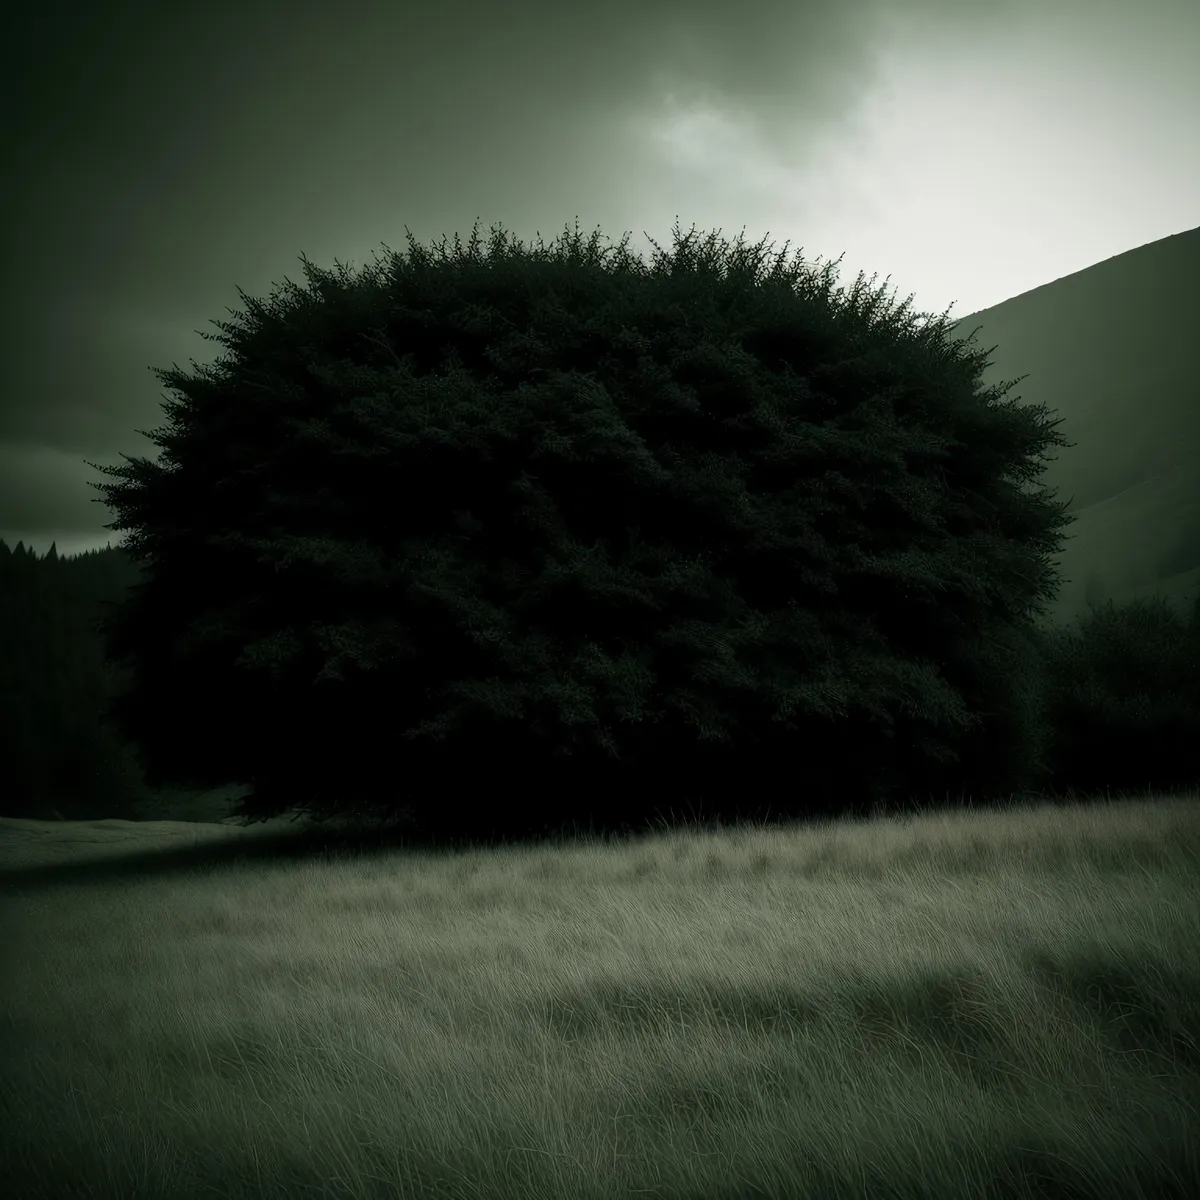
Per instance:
(514,537)
(1123,703)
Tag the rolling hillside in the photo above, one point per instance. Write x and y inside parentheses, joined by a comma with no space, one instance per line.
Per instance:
(1112,350)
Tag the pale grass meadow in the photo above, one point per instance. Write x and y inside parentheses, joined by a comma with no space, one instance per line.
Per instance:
(960,1004)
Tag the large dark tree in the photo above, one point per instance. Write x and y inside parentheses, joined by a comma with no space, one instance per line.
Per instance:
(500,537)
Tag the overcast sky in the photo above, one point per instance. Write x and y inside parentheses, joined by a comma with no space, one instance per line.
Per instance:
(160,155)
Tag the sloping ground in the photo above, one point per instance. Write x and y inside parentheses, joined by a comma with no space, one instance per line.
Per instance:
(1111,350)
(27,843)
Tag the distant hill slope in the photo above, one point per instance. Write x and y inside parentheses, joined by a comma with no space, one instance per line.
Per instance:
(1114,350)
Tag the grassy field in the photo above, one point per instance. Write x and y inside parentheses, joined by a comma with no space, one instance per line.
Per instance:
(974,1004)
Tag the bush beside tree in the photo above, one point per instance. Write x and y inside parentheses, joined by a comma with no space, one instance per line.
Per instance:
(1123,700)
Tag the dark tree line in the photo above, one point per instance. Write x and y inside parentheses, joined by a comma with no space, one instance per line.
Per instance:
(517,540)
(1122,712)
(56,755)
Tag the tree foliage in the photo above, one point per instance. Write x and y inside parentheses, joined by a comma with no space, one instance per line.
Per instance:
(500,536)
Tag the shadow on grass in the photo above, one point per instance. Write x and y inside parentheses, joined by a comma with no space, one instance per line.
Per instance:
(298,837)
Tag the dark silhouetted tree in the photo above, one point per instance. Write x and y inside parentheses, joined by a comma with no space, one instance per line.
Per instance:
(505,537)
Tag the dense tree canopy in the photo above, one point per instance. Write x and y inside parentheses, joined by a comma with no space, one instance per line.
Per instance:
(492,536)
